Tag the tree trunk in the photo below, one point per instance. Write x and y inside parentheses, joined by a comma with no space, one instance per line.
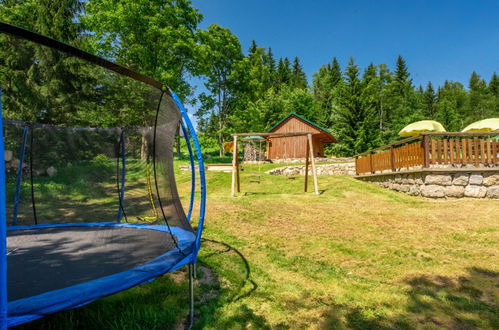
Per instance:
(221,144)
(144,148)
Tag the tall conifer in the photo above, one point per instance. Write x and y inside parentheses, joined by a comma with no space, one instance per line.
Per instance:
(298,77)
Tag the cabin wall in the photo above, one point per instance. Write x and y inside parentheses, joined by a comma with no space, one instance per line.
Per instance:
(293,146)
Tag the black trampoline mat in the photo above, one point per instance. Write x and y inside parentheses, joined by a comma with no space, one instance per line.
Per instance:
(45,259)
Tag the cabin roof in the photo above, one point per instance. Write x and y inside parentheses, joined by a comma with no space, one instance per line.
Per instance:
(293,114)
(302,118)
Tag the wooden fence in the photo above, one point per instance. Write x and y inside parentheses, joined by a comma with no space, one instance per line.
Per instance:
(430,149)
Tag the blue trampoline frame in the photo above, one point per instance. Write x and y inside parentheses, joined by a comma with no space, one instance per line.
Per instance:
(35,307)
(71,297)
(3,231)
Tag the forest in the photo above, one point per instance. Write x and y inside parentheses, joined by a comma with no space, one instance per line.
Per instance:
(244,89)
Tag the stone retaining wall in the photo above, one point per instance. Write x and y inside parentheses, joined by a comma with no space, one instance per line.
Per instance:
(317,160)
(441,185)
(329,169)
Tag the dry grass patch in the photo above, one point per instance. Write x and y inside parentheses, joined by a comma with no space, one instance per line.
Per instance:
(359,256)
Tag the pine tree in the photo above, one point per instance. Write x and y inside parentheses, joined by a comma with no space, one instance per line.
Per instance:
(353,116)
(447,115)
(402,81)
(401,102)
(494,91)
(494,85)
(298,77)
(56,19)
(429,101)
(324,87)
(270,61)
(384,79)
(52,87)
(253,47)
(283,74)
(335,72)
(370,104)
(479,100)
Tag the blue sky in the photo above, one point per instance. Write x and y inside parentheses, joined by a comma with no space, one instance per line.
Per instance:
(440,40)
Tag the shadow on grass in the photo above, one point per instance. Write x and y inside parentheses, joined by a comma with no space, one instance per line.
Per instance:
(467,302)
(163,303)
(238,293)
(231,265)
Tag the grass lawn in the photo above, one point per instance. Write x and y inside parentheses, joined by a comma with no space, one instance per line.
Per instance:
(357,256)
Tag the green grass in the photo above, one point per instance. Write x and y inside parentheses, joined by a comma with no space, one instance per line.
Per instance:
(358,256)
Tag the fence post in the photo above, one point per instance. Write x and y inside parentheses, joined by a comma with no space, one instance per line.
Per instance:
(426,150)
(371,162)
(392,159)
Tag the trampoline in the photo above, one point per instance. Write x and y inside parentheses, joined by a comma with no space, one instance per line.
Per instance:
(88,206)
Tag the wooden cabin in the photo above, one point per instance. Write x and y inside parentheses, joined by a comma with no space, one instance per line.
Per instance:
(296,146)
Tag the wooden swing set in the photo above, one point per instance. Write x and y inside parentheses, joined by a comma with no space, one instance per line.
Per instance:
(309,159)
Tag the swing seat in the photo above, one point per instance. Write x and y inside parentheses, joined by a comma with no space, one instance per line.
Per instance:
(257,176)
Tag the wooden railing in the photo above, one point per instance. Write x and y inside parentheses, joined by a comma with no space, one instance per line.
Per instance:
(430,149)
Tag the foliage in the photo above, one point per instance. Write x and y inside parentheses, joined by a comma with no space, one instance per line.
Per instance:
(364,107)
(324,89)
(155,37)
(219,53)
(38,90)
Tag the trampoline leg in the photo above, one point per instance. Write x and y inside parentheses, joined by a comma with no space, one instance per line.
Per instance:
(191,295)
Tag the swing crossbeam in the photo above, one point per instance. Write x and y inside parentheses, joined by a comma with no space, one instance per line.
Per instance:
(310,161)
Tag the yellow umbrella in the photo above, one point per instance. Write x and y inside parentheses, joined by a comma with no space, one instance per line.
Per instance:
(486,125)
(421,126)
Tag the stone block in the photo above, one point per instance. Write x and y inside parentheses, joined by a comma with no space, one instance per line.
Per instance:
(394,186)
(490,179)
(454,191)
(476,179)
(461,179)
(493,192)
(433,191)
(7,154)
(404,188)
(475,191)
(418,179)
(51,171)
(414,190)
(438,179)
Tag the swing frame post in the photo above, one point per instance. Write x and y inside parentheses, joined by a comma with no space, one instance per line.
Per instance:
(308,161)
(235,170)
(306,165)
(312,158)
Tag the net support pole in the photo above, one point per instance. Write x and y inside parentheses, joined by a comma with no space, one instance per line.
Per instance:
(193,169)
(3,232)
(19,178)
(31,175)
(235,167)
(122,175)
(191,295)
(312,159)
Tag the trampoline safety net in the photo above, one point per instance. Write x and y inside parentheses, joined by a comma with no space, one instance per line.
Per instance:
(90,186)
